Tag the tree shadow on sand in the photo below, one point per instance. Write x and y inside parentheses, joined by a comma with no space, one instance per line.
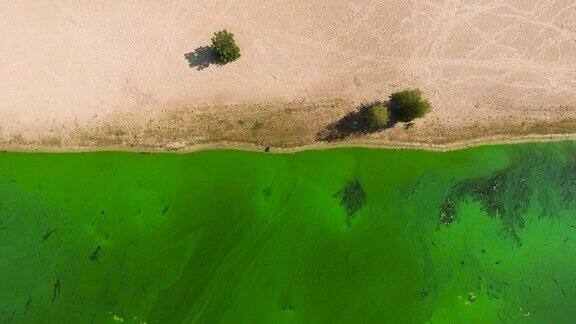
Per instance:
(201,58)
(353,124)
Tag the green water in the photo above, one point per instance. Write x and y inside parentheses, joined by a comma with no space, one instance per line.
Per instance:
(348,235)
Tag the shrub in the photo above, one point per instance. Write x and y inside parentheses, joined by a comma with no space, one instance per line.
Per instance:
(225,47)
(409,105)
(377,116)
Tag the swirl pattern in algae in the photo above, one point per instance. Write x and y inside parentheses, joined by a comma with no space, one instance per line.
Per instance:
(344,235)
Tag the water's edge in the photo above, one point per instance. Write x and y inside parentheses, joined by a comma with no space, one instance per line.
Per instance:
(246,146)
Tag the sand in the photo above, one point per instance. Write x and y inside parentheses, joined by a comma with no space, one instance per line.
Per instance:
(81,74)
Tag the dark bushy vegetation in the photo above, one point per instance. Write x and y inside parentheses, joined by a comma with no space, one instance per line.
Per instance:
(225,47)
(367,119)
(404,106)
(409,105)
(377,116)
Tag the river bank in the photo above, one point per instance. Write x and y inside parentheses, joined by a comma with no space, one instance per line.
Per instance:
(115,75)
(281,126)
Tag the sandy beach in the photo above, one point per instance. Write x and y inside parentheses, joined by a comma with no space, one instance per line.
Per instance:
(86,75)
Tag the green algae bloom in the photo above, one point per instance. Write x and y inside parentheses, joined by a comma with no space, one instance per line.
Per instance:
(481,235)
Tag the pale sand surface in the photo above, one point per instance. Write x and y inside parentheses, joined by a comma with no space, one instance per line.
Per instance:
(112,74)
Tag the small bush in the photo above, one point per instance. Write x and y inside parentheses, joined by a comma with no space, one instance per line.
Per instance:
(377,116)
(409,105)
(225,47)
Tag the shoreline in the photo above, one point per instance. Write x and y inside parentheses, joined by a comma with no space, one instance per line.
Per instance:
(252,147)
(284,126)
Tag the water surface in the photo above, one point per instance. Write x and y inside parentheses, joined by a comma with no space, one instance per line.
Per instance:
(343,235)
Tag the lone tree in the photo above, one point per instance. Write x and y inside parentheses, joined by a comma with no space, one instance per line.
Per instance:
(409,105)
(376,116)
(225,47)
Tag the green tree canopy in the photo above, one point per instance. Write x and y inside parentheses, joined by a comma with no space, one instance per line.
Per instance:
(225,47)
(377,116)
(409,105)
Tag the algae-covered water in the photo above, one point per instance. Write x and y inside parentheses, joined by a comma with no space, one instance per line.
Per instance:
(346,235)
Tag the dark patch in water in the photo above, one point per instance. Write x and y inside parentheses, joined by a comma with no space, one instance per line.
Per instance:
(28,305)
(495,289)
(94,254)
(567,183)
(287,304)
(507,194)
(266,193)
(352,199)
(47,234)
(56,288)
